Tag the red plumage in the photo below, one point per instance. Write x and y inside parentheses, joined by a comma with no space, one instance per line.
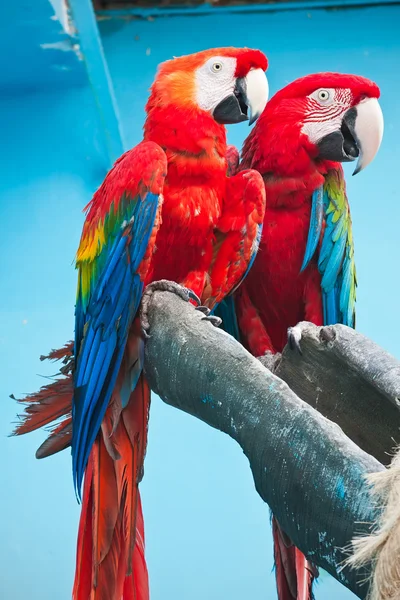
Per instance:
(183,162)
(193,193)
(250,58)
(276,295)
(292,170)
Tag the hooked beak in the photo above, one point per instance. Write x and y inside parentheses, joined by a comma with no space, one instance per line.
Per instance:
(247,101)
(359,136)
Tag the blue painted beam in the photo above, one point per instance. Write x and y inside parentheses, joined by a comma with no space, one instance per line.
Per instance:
(207,9)
(99,77)
(36,50)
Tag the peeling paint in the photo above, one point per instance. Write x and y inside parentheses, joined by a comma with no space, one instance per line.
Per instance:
(63,15)
(64,46)
(45,53)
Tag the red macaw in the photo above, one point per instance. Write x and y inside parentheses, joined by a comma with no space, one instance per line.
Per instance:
(156,216)
(304,269)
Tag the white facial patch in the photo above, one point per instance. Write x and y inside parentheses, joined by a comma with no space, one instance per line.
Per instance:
(326,108)
(215,80)
(316,130)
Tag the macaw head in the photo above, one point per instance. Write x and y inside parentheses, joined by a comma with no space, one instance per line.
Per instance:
(337,116)
(228,83)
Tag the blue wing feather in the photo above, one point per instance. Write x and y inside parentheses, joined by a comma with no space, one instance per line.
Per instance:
(336,255)
(334,263)
(314,232)
(115,256)
(105,327)
(330,307)
(256,245)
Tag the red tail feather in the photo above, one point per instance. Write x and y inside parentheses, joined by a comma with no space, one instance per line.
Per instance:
(50,403)
(65,353)
(294,573)
(110,557)
(59,439)
(110,562)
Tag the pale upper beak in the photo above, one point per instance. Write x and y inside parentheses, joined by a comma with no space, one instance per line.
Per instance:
(368,131)
(359,135)
(247,101)
(257,91)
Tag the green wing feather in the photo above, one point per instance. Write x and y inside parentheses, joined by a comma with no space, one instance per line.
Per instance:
(336,257)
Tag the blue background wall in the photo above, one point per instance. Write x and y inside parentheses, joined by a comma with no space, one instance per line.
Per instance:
(208,532)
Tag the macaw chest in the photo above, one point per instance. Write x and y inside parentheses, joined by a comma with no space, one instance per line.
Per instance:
(284,238)
(191,211)
(184,242)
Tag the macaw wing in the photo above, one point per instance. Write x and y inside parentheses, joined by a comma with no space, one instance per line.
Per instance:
(226,309)
(331,221)
(238,235)
(113,258)
(232,160)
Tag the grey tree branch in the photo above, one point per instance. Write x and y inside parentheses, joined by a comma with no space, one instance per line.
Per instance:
(351,381)
(308,471)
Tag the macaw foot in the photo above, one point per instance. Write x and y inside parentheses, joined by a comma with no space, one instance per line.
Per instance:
(162,286)
(294,338)
(203,309)
(216,321)
(327,333)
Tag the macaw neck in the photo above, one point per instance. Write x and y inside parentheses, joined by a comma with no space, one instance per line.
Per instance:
(287,161)
(195,144)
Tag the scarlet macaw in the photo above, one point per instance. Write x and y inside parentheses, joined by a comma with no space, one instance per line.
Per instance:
(304,269)
(155,216)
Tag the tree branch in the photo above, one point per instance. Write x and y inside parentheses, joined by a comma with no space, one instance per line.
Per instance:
(351,381)
(306,469)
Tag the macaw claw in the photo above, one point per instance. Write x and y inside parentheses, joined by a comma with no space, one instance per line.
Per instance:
(294,338)
(216,321)
(162,286)
(203,309)
(192,296)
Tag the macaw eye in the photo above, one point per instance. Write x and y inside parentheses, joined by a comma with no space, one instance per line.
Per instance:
(323,95)
(216,67)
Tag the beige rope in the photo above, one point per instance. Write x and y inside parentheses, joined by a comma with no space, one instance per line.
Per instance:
(382,547)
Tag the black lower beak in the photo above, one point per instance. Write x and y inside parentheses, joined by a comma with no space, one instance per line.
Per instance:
(341,145)
(233,109)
